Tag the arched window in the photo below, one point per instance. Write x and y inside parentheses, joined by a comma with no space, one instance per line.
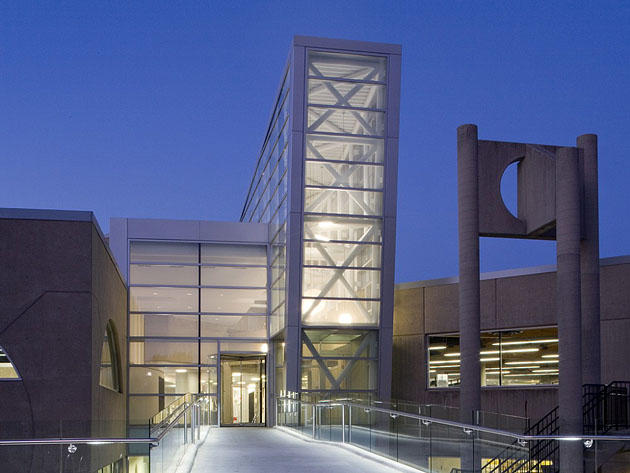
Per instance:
(7,368)
(110,361)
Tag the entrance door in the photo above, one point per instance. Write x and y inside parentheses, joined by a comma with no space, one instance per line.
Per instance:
(243,390)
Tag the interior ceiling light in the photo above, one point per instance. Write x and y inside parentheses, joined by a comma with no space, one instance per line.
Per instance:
(441,362)
(326,224)
(551,356)
(489,359)
(345,318)
(321,238)
(527,342)
(180,370)
(438,347)
(531,362)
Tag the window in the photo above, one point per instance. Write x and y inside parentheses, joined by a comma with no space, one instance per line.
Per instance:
(110,362)
(508,357)
(7,369)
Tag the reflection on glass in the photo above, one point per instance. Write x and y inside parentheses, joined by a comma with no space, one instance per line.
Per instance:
(359,176)
(234,301)
(240,347)
(109,370)
(209,379)
(516,357)
(149,251)
(7,370)
(163,299)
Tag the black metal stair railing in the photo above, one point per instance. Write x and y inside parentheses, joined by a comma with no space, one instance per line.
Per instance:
(606,407)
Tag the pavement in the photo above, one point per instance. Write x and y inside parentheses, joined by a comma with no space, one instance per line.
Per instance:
(265,450)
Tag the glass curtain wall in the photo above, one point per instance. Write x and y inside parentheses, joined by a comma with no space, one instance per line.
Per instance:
(342,228)
(266,200)
(188,303)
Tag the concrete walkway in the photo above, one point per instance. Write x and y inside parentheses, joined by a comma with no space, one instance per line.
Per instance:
(263,450)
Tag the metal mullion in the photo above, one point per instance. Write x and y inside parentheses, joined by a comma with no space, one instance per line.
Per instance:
(344,79)
(358,358)
(268,203)
(162,365)
(310,240)
(233,265)
(366,268)
(327,298)
(349,135)
(341,161)
(270,176)
(201,287)
(347,107)
(162,263)
(150,313)
(323,214)
(359,189)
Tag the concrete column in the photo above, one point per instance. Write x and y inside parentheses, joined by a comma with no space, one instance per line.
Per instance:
(568,231)
(589,250)
(469,297)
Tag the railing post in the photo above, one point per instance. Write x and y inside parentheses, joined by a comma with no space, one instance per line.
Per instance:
(343,423)
(185,427)
(314,419)
(193,421)
(349,424)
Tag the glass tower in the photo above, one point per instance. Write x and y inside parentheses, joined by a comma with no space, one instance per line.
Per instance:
(325,181)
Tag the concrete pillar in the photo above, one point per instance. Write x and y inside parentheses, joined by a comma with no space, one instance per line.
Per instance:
(568,231)
(469,297)
(589,250)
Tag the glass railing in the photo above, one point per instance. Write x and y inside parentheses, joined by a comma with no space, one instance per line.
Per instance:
(158,446)
(434,444)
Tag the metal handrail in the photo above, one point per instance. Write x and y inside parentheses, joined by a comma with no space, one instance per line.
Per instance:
(154,441)
(467,427)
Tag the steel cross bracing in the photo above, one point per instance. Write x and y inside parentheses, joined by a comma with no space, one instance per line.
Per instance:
(338,275)
(368,339)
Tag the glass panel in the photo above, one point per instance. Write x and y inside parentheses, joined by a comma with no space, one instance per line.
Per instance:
(319,173)
(209,351)
(163,325)
(339,201)
(517,357)
(346,94)
(340,343)
(339,312)
(109,362)
(163,352)
(233,276)
(142,408)
(328,228)
(239,301)
(342,254)
(233,326)
(243,389)
(163,274)
(163,380)
(348,66)
(339,120)
(344,283)
(163,299)
(209,380)
(236,254)
(141,251)
(345,148)
(529,356)
(338,374)
(7,370)
(234,347)
(444,361)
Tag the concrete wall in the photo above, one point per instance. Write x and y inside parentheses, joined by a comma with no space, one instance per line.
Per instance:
(509,300)
(58,288)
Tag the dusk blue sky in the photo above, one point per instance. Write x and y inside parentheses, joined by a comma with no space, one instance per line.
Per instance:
(158,109)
